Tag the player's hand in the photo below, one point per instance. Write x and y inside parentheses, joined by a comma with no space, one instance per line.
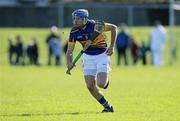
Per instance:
(70,65)
(110,51)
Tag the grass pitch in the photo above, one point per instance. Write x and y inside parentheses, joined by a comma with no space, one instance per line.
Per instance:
(46,93)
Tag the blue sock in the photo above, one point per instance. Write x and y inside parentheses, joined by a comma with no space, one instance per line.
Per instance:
(104,102)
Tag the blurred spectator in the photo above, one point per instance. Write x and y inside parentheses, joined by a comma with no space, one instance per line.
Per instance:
(11,50)
(143,51)
(32,52)
(122,43)
(19,50)
(157,41)
(134,49)
(54,46)
(56,50)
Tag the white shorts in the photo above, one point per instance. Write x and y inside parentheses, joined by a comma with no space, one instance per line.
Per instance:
(92,64)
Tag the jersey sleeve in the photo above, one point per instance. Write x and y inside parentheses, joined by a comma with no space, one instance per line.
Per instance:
(72,39)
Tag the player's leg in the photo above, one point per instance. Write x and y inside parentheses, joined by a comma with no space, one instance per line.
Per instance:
(103,68)
(89,70)
(102,79)
(102,82)
(91,85)
(96,93)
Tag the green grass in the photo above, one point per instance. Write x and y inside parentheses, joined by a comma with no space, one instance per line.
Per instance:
(47,94)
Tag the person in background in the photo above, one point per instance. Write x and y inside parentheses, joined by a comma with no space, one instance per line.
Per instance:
(134,49)
(143,52)
(55,45)
(122,42)
(53,37)
(19,51)
(157,41)
(33,52)
(11,50)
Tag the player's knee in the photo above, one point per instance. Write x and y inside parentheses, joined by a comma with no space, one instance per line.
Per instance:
(101,83)
(101,79)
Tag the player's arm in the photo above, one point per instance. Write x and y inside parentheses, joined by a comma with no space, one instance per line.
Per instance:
(69,55)
(70,48)
(112,28)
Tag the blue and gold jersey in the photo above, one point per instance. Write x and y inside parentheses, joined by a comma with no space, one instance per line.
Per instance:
(97,46)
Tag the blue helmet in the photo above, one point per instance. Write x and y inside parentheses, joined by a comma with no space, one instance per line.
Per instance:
(83,13)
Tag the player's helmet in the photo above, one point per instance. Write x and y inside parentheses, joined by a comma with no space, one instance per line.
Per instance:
(82,13)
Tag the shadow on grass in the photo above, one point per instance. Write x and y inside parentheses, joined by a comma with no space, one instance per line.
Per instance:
(47,114)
